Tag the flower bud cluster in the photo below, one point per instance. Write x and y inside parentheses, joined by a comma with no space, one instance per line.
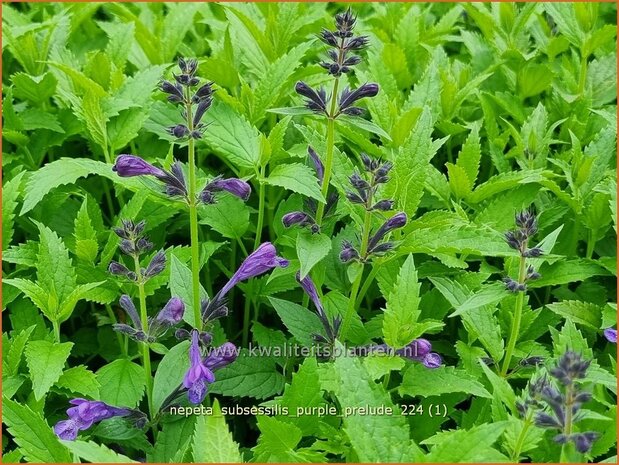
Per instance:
(519,239)
(170,315)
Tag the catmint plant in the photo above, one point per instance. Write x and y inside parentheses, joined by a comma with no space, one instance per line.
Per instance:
(342,56)
(194,97)
(518,239)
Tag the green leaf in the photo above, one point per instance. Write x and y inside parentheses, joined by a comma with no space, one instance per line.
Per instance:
(32,434)
(360,123)
(232,136)
(46,362)
(173,441)
(86,245)
(402,312)
(300,321)
(294,111)
(37,89)
(374,438)
(311,249)
(489,294)
(378,365)
(250,376)
(95,453)
(470,156)
(420,381)
(297,178)
(79,380)
(122,383)
(55,271)
(13,353)
(95,119)
(584,313)
(567,271)
(473,445)
(170,373)
(459,182)
(180,284)
(277,441)
(10,194)
(229,216)
(212,441)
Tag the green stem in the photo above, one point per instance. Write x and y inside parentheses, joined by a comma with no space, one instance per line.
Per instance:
(260,223)
(367,283)
(583,75)
(56,326)
(591,242)
(246,312)
(566,453)
(193,221)
(367,224)
(513,337)
(148,374)
(523,434)
(329,153)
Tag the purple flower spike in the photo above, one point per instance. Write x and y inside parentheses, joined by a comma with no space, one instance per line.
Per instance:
(173,311)
(611,335)
(130,165)
(198,376)
(221,356)
(84,415)
(432,360)
(263,259)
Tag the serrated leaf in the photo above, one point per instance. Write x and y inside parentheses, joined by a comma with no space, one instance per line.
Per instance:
(277,441)
(459,181)
(311,249)
(584,313)
(80,380)
(421,381)
(86,245)
(402,312)
(32,434)
(212,441)
(122,383)
(470,156)
(170,372)
(300,321)
(378,365)
(297,178)
(95,453)
(180,284)
(473,445)
(13,353)
(489,294)
(10,194)
(46,361)
(229,216)
(173,441)
(250,376)
(360,123)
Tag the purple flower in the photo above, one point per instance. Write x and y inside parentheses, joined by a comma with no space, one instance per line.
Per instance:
(348,97)
(173,311)
(316,100)
(415,350)
(84,415)
(198,375)
(310,289)
(396,221)
(299,218)
(221,356)
(611,335)
(317,162)
(130,165)
(235,186)
(156,265)
(263,259)
(127,305)
(432,360)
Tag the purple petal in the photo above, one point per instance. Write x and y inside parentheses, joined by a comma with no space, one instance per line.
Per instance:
(173,311)
(66,429)
(130,165)
(432,360)
(611,335)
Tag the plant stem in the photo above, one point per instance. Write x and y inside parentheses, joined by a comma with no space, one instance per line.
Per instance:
(367,283)
(56,326)
(591,243)
(352,301)
(329,153)
(246,312)
(523,434)
(513,337)
(582,78)
(567,430)
(193,221)
(145,348)
(260,223)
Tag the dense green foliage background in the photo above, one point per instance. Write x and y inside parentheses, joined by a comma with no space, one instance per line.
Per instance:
(485,109)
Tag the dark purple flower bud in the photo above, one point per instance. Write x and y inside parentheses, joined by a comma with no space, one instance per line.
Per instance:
(514,239)
(532,274)
(348,97)
(316,101)
(235,186)
(263,259)
(396,221)
(201,109)
(382,172)
(156,265)
(383,248)
(310,289)
(369,163)
(118,269)
(358,182)
(198,376)
(188,66)
(353,111)
(205,338)
(357,43)
(527,221)
(182,334)
(561,438)
(611,335)
(383,205)
(354,197)
(531,361)
(298,218)
(143,245)
(207,197)
(317,162)
(127,305)
(328,38)
(127,247)
(221,356)
(583,441)
(570,367)
(521,408)
(510,284)
(125,329)
(532,253)
(130,165)
(345,22)
(543,420)
(173,311)
(416,349)
(348,252)
(174,91)
(204,92)
(179,131)
(582,397)
(432,360)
